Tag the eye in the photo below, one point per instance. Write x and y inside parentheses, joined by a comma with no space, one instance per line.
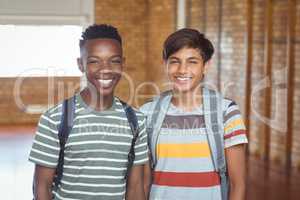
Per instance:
(193,61)
(116,61)
(173,62)
(92,62)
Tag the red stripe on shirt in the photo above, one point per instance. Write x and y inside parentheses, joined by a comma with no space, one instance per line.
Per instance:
(197,179)
(235,133)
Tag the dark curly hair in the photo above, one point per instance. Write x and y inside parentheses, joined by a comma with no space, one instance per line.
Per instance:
(98,31)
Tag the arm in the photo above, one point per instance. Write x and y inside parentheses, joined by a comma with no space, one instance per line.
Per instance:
(147,179)
(135,189)
(43,178)
(235,157)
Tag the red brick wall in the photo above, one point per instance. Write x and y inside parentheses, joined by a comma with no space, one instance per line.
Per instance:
(17,95)
(296,123)
(161,23)
(196,14)
(211,21)
(258,74)
(279,103)
(206,17)
(130,19)
(144,25)
(226,30)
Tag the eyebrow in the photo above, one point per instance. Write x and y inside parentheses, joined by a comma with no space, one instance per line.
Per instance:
(114,56)
(193,57)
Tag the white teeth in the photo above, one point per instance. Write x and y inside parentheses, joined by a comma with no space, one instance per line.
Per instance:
(183,78)
(105,82)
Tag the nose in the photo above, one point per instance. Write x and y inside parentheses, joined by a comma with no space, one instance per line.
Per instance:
(105,64)
(182,68)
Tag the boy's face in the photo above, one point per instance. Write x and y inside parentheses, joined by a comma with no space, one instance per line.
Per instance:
(186,69)
(102,62)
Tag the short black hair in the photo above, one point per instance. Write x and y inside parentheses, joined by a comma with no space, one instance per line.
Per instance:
(100,31)
(190,38)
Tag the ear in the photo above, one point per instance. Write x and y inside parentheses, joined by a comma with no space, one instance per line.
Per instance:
(123,62)
(80,65)
(207,66)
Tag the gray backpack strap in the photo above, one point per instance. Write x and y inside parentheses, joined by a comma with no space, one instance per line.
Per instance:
(213,115)
(155,119)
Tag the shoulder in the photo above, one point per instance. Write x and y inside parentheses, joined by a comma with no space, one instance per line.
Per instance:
(54,110)
(141,118)
(229,105)
(226,102)
(140,115)
(145,108)
(53,113)
(150,104)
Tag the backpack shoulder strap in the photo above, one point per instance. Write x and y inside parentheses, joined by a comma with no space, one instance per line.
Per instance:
(155,119)
(213,116)
(65,127)
(134,126)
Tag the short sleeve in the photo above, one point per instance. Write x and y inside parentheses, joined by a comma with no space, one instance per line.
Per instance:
(45,148)
(141,146)
(234,127)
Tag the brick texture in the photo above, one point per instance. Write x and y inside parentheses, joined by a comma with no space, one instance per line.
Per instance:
(227,30)
(129,18)
(20,97)
(296,122)
(145,24)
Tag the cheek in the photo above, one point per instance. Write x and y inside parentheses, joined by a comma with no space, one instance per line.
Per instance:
(198,71)
(171,70)
(118,69)
(90,71)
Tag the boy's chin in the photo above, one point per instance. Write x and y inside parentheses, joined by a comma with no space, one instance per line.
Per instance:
(105,91)
(183,89)
(102,91)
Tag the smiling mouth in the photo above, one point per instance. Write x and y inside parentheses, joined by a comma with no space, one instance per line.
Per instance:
(180,78)
(105,82)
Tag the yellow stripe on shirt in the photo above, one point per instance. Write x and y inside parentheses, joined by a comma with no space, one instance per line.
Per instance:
(233,124)
(192,150)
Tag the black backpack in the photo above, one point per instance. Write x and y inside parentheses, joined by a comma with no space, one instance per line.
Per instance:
(65,127)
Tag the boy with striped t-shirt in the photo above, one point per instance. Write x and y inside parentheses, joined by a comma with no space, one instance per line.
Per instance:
(183,163)
(96,152)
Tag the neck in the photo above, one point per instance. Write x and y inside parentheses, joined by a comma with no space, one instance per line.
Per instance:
(95,100)
(187,101)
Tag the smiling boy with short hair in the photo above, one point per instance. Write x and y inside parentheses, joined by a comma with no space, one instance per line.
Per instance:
(96,152)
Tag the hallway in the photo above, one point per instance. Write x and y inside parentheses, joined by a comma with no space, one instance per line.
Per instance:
(271,183)
(16,171)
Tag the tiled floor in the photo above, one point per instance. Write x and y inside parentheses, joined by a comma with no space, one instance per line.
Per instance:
(16,172)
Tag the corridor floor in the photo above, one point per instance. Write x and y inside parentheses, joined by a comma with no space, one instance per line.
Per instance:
(16,172)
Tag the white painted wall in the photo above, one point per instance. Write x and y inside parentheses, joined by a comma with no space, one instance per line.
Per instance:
(47,12)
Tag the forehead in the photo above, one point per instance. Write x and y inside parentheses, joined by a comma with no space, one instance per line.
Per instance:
(187,52)
(102,45)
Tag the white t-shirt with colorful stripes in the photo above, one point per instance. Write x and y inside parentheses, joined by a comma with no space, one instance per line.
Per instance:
(184,168)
